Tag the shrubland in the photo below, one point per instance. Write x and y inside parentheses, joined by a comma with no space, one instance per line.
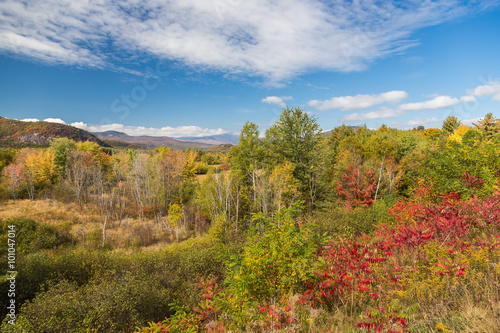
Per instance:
(356,231)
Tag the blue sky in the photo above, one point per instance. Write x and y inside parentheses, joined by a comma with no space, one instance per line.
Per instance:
(200,67)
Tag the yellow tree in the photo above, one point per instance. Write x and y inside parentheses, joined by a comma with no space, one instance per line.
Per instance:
(191,164)
(284,187)
(457,135)
(172,170)
(174,218)
(46,167)
(26,159)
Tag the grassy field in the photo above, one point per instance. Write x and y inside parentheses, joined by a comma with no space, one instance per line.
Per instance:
(86,224)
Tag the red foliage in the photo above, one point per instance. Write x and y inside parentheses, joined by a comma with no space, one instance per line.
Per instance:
(472,182)
(223,167)
(364,270)
(207,310)
(357,188)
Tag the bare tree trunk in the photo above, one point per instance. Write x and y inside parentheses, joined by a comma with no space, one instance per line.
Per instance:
(104,230)
(379,178)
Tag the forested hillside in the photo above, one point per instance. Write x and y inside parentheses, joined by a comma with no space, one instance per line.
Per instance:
(360,230)
(19,134)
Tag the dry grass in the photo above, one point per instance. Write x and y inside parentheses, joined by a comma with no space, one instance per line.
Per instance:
(201,178)
(86,225)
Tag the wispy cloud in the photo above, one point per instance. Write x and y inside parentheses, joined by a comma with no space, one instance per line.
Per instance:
(437,102)
(345,103)
(174,132)
(416,122)
(471,122)
(381,114)
(275,40)
(280,101)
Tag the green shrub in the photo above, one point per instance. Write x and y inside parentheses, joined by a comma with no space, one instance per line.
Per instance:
(174,271)
(32,236)
(277,259)
(355,222)
(104,305)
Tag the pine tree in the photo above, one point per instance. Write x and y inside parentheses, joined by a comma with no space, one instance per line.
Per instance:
(450,124)
(489,126)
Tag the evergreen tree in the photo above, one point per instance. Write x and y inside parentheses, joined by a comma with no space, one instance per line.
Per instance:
(489,126)
(450,124)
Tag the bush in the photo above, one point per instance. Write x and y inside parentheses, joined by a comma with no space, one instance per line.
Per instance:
(104,305)
(32,236)
(351,223)
(155,279)
(276,261)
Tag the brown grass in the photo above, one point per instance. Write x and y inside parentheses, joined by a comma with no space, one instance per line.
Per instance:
(201,178)
(86,225)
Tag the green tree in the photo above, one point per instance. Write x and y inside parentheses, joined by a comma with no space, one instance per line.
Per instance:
(248,156)
(6,157)
(489,126)
(61,148)
(246,159)
(295,138)
(450,124)
(468,166)
(334,140)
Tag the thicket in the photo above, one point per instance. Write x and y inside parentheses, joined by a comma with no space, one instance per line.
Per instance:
(358,230)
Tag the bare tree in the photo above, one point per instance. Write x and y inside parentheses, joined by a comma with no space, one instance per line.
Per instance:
(120,169)
(172,175)
(78,173)
(145,181)
(103,197)
(13,175)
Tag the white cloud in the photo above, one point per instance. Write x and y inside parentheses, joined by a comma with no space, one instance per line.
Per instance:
(30,119)
(470,122)
(174,132)
(381,114)
(437,102)
(272,39)
(467,99)
(415,122)
(55,120)
(280,101)
(491,89)
(359,101)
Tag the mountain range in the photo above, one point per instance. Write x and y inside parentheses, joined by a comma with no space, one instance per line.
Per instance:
(19,134)
(203,142)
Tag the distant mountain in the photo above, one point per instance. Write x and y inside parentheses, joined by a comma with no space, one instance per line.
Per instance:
(112,133)
(124,145)
(223,148)
(150,142)
(18,134)
(214,139)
